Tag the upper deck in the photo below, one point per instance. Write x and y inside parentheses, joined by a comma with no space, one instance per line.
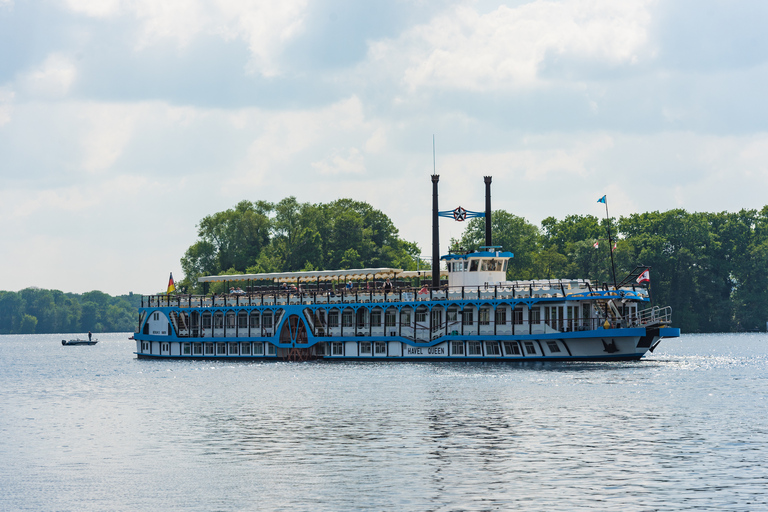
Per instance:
(375,292)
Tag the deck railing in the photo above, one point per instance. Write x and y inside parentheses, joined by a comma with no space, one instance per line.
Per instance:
(278,297)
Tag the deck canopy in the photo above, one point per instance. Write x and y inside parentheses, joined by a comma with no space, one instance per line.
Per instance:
(311,276)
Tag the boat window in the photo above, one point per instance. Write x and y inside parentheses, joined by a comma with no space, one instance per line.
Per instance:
(511,348)
(270,349)
(457,348)
(452,315)
(221,348)
(473,266)
(346,319)
(501,315)
(258,349)
(197,348)
(466,316)
(209,349)
(381,347)
(333,318)
(492,348)
(405,317)
(233,349)
(421,315)
(242,320)
(529,348)
(187,349)
(254,319)
(484,316)
(390,318)
(474,348)
(553,347)
(376,318)
(365,347)
(245,349)
(338,349)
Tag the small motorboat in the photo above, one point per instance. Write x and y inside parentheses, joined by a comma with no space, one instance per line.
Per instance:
(78,341)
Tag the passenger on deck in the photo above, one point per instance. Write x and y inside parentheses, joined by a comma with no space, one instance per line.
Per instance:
(388,286)
(423,290)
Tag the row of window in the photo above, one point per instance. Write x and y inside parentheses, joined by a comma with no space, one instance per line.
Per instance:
(483,265)
(473,348)
(556,316)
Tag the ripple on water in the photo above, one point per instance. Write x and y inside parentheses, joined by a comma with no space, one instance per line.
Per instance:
(97,429)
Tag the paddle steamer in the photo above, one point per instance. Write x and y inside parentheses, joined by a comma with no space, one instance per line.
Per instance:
(377,314)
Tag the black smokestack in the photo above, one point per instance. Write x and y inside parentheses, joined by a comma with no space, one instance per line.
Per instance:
(488,240)
(435,235)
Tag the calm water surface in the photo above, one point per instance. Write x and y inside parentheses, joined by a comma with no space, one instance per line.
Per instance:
(93,428)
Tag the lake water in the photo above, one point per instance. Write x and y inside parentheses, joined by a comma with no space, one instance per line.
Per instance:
(93,428)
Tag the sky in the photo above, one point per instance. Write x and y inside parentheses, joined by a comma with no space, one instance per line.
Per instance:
(124,122)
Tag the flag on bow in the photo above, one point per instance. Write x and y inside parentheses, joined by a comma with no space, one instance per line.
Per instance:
(601,200)
(171,286)
(645,277)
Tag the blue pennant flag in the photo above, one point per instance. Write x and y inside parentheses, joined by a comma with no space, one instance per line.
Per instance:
(601,200)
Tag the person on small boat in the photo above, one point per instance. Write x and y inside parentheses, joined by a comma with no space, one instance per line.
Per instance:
(89,335)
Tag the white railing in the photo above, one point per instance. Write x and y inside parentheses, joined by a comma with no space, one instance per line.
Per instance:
(655,315)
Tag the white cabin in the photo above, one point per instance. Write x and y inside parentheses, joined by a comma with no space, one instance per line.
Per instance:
(477,268)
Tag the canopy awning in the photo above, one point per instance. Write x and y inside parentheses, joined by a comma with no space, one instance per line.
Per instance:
(309,276)
(407,274)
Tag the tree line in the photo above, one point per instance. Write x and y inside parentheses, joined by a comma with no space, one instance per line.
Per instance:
(257,237)
(711,268)
(35,310)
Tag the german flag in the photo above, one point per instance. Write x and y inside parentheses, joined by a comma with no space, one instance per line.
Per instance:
(171,286)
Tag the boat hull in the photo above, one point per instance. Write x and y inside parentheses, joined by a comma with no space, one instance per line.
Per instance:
(629,344)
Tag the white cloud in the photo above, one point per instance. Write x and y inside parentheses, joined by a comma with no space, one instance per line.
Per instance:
(465,49)
(265,26)
(338,163)
(92,196)
(53,78)
(6,103)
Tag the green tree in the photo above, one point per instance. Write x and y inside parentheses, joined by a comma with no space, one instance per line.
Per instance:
(28,324)
(513,234)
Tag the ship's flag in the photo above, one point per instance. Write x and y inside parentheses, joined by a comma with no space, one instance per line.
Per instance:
(171,286)
(601,200)
(614,246)
(596,244)
(645,277)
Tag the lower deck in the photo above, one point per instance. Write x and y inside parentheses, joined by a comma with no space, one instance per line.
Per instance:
(609,347)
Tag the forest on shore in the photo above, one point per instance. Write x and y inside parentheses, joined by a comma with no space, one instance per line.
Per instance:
(39,311)
(711,268)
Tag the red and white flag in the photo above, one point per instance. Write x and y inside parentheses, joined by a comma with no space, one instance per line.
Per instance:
(645,277)
(614,246)
(595,244)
